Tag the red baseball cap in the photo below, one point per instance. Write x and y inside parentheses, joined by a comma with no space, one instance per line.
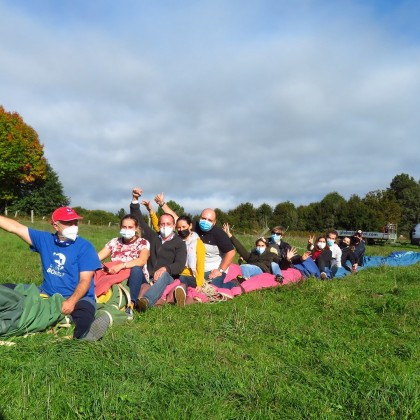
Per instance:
(65,214)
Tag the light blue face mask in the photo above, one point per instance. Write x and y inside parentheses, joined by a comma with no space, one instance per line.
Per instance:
(275,238)
(260,249)
(330,242)
(205,225)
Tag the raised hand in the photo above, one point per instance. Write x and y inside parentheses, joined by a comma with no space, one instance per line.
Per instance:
(160,199)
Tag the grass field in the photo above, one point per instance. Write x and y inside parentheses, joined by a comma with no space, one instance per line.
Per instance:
(335,349)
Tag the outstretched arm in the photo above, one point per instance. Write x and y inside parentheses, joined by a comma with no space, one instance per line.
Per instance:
(12,226)
(160,201)
(153,217)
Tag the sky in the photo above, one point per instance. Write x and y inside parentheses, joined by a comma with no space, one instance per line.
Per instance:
(216,102)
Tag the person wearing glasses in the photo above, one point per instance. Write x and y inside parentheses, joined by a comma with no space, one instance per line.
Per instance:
(260,259)
(282,249)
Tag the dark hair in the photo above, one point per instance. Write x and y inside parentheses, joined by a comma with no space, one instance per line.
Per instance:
(333,231)
(131,217)
(186,218)
(261,240)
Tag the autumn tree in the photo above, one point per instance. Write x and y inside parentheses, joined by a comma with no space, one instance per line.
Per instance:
(42,196)
(22,160)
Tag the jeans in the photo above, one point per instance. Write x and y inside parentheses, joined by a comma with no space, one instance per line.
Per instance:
(136,279)
(249,270)
(219,281)
(189,281)
(275,268)
(156,291)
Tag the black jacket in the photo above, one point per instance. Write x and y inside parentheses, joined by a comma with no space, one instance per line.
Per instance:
(171,254)
(262,261)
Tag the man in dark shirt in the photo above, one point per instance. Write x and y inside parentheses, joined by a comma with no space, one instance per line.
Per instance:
(168,253)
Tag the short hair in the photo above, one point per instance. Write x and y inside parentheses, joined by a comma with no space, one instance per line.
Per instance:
(168,214)
(279,229)
(333,231)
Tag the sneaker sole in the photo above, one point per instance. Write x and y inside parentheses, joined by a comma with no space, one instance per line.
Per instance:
(180,296)
(98,329)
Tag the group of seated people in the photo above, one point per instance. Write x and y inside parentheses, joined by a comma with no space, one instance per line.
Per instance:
(192,256)
(174,260)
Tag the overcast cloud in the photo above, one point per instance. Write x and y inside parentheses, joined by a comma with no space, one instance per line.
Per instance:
(216,103)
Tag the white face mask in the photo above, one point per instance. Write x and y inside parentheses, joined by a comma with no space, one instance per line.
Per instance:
(321,245)
(70,232)
(127,233)
(165,231)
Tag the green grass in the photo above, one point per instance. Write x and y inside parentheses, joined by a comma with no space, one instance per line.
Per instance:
(340,349)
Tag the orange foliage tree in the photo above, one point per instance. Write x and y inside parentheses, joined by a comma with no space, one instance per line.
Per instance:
(22,160)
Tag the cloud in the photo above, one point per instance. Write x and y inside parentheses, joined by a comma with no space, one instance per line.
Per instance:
(214,104)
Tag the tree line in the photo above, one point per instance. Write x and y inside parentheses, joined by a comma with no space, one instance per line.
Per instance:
(28,182)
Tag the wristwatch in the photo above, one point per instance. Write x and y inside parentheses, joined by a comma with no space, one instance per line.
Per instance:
(221,270)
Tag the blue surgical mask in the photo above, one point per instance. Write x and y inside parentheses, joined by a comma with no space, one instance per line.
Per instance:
(330,242)
(205,225)
(260,249)
(275,238)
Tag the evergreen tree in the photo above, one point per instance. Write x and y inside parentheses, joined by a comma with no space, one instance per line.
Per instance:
(42,196)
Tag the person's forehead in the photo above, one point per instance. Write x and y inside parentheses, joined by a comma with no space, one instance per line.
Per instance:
(166,219)
(208,214)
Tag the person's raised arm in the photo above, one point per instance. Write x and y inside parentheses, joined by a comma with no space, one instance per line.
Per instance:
(148,232)
(160,201)
(12,226)
(235,242)
(153,217)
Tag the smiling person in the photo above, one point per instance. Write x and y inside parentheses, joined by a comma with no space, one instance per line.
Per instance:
(129,251)
(68,264)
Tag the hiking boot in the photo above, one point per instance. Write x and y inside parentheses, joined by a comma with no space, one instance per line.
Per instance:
(323,276)
(142,304)
(98,328)
(240,278)
(180,296)
(279,278)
